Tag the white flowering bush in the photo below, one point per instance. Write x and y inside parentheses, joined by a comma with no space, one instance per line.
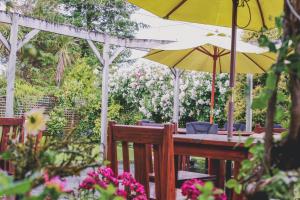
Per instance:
(148,89)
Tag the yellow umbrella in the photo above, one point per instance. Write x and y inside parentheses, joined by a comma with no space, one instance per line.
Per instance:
(252,14)
(212,54)
(246,14)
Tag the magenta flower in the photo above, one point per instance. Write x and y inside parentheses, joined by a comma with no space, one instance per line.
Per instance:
(191,191)
(105,176)
(56,183)
(121,193)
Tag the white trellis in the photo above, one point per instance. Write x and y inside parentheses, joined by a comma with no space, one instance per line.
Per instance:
(13,45)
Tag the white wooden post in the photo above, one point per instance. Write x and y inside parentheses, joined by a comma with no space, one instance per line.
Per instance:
(104,104)
(249,102)
(10,76)
(106,61)
(176,95)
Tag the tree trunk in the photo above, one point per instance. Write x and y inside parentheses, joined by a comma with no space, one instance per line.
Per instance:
(287,154)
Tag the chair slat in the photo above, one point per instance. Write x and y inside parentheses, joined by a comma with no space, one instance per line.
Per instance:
(141,169)
(157,170)
(126,162)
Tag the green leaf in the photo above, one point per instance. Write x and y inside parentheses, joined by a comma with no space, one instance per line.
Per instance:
(249,142)
(246,164)
(238,189)
(263,40)
(271,80)
(272,47)
(16,188)
(209,186)
(5,155)
(231,183)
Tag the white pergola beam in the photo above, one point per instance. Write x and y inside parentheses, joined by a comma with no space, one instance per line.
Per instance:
(4,41)
(27,38)
(96,51)
(79,32)
(115,54)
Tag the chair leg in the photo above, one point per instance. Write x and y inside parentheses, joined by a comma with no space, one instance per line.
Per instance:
(215,167)
(228,177)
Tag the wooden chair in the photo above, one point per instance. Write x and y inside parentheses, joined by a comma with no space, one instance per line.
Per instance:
(11,129)
(161,140)
(181,164)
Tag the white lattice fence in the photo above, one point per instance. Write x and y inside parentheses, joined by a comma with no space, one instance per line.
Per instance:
(47,102)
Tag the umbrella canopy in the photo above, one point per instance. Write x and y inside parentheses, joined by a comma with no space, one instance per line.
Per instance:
(200,56)
(212,54)
(252,14)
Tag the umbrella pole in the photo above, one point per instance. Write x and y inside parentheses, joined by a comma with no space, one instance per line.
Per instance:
(232,67)
(212,97)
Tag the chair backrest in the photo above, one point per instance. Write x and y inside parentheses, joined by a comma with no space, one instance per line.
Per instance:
(201,128)
(11,129)
(161,140)
(153,124)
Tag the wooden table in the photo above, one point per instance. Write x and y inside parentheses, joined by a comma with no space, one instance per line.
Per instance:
(213,146)
(235,133)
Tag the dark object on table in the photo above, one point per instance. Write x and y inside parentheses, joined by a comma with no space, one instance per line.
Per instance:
(236,127)
(201,128)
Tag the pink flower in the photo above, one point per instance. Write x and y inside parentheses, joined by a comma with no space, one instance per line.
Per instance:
(191,191)
(105,176)
(88,183)
(55,183)
(121,193)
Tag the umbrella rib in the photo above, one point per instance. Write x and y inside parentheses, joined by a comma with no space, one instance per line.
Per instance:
(254,62)
(205,51)
(224,54)
(261,14)
(268,57)
(174,9)
(220,52)
(220,65)
(186,55)
(154,53)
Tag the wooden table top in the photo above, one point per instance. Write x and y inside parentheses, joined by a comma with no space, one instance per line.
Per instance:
(210,139)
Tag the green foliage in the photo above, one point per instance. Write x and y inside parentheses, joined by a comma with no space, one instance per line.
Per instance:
(257,150)
(208,191)
(79,93)
(8,187)
(26,94)
(57,122)
(108,194)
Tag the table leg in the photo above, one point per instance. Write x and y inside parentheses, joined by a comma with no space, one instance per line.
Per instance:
(216,167)
(228,177)
(176,163)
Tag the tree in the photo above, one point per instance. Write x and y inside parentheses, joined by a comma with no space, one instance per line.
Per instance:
(277,163)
